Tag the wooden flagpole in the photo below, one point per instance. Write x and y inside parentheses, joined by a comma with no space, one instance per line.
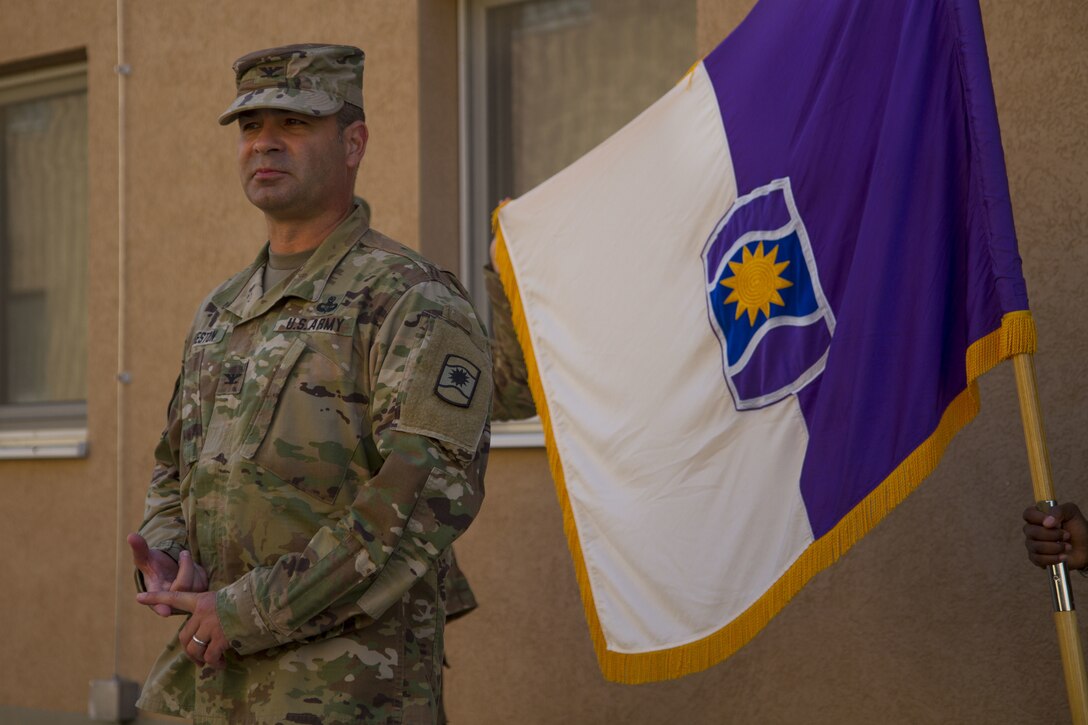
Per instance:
(1065,615)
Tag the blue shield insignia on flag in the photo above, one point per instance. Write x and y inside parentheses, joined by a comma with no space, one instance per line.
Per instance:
(766,305)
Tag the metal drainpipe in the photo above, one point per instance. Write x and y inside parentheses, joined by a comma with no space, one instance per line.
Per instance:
(114,699)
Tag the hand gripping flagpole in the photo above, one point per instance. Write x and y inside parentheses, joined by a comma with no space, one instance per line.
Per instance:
(1065,615)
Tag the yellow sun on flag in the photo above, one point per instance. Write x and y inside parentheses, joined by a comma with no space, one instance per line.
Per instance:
(755,283)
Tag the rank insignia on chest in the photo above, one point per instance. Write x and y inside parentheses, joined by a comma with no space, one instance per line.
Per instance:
(231,379)
(456,382)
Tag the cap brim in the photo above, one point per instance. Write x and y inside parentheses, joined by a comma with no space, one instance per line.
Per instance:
(311,103)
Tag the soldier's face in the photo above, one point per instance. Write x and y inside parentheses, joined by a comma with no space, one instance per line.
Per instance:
(295,166)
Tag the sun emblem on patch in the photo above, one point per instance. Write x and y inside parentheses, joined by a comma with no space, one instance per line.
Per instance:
(755,283)
(456,383)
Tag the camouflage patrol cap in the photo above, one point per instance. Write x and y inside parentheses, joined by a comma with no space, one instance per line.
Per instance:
(310,78)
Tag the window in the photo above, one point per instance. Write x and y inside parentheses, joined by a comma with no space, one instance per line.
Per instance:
(546,81)
(43,260)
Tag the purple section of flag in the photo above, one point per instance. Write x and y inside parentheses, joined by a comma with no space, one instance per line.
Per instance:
(783,356)
(882,116)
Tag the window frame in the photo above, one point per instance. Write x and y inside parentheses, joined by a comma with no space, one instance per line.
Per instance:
(475,161)
(51,429)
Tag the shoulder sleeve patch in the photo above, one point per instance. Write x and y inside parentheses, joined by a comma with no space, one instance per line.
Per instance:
(447,394)
(457,381)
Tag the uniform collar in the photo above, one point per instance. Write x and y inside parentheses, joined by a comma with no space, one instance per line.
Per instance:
(245,297)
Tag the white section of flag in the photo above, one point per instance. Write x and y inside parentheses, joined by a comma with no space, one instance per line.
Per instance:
(687,511)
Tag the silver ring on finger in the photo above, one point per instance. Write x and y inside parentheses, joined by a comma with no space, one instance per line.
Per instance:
(199,641)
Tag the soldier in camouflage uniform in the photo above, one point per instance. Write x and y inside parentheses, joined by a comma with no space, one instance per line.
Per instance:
(325,443)
(513,398)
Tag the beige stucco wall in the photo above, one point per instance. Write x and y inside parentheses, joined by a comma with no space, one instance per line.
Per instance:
(57,518)
(934,617)
(187,227)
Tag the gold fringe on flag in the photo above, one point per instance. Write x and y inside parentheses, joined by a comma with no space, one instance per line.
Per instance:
(1015,335)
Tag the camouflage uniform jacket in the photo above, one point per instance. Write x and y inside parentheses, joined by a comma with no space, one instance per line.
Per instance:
(513,399)
(325,444)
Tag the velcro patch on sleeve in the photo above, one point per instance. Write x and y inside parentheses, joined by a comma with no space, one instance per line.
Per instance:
(447,389)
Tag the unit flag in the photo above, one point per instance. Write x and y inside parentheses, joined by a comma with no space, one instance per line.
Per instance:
(754,317)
